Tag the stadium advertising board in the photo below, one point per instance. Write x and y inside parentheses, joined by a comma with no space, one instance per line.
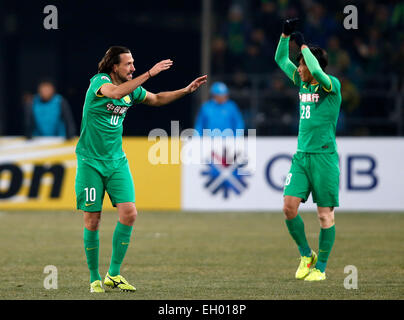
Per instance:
(371,177)
(40,174)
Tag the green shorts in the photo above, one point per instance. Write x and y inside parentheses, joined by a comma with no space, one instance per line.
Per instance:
(317,173)
(94,177)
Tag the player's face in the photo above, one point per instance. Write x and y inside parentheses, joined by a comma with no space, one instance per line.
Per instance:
(304,72)
(125,68)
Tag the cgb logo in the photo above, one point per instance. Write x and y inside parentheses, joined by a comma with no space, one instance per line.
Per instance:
(224,175)
(360,169)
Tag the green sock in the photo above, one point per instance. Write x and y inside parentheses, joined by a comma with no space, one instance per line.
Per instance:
(326,241)
(120,243)
(296,230)
(91,247)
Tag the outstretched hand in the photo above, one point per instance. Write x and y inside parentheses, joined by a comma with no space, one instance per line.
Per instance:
(194,85)
(160,66)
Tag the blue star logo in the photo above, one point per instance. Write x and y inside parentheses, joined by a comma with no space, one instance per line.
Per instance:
(224,175)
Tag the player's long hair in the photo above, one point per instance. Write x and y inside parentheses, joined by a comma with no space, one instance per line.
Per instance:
(111,57)
(320,54)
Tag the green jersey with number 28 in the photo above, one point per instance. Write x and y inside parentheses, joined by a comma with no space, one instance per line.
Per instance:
(319,110)
(101,126)
(319,103)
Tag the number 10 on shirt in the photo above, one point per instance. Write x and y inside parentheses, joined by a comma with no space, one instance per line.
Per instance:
(114,119)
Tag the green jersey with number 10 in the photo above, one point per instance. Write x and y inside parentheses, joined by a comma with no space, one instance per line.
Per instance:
(101,126)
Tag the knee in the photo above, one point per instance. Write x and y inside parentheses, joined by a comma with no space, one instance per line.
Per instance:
(289,211)
(92,222)
(133,214)
(129,215)
(326,220)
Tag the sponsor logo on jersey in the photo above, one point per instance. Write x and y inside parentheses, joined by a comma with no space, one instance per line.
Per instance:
(119,110)
(127,99)
(309,97)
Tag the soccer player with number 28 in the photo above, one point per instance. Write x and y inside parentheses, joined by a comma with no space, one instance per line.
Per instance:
(102,164)
(315,165)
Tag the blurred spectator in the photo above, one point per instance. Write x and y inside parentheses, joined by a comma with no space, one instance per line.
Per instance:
(219,55)
(239,80)
(382,19)
(350,97)
(267,19)
(350,106)
(48,113)
(282,110)
(369,12)
(338,58)
(255,61)
(258,51)
(397,19)
(219,113)
(367,60)
(236,32)
(318,26)
(398,59)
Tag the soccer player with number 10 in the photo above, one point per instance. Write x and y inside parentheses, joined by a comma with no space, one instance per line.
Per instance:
(102,165)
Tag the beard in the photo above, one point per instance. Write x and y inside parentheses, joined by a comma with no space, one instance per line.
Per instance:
(123,78)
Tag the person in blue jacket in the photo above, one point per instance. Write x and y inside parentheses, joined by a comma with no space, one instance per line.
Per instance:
(48,114)
(219,113)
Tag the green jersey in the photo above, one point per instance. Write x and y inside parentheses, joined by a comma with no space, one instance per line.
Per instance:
(319,103)
(101,125)
(319,110)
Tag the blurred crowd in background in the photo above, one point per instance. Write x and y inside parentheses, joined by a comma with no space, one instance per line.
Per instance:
(244,35)
(368,61)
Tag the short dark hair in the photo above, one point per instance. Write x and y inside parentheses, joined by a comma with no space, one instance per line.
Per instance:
(111,57)
(320,54)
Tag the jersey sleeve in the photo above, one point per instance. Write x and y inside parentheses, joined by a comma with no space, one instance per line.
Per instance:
(283,61)
(139,94)
(335,85)
(97,82)
(314,67)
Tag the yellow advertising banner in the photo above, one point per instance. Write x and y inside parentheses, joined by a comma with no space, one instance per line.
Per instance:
(40,174)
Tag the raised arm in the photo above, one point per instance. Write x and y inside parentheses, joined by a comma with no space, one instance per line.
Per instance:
(162,98)
(282,51)
(282,57)
(312,63)
(315,69)
(119,91)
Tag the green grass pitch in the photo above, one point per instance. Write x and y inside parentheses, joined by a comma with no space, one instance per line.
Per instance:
(219,256)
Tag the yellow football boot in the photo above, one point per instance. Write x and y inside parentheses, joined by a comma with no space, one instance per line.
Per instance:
(118,282)
(305,264)
(315,275)
(96,287)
